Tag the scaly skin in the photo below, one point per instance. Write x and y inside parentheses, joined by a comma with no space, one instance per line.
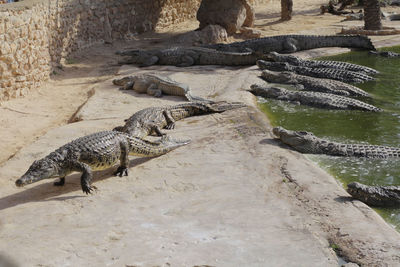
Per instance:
(378,196)
(156,85)
(296,61)
(340,75)
(306,142)
(150,121)
(313,84)
(188,56)
(314,99)
(293,43)
(96,151)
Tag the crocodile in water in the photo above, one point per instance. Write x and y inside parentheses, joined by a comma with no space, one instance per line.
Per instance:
(306,142)
(152,120)
(335,74)
(95,151)
(188,56)
(293,43)
(296,61)
(156,85)
(379,196)
(308,83)
(314,99)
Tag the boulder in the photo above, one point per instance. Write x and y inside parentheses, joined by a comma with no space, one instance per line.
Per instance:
(211,34)
(230,14)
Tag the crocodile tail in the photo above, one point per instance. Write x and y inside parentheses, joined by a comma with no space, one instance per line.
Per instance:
(193,98)
(222,106)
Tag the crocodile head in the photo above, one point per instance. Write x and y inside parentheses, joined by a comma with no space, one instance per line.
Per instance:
(275,66)
(373,195)
(304,142)
(270,92)
(276,77)
(276,57)
(39,170)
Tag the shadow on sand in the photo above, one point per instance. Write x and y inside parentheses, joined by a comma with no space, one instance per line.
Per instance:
(49,192)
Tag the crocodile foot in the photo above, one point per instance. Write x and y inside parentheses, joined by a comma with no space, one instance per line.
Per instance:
(170,126)
(121,171)
(61,182)
(86,188)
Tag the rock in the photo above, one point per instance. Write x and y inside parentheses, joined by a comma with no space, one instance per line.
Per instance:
(230,14)
(211,34)
(249,33)
(250,15)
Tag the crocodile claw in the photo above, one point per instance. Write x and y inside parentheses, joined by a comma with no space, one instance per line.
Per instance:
(121,171)
(170,126)
(87,189)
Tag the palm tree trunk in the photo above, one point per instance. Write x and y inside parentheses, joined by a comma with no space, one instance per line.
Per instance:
(372,15)
(286,9)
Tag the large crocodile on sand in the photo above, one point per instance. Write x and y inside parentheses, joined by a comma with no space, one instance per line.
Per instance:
(150,121)
(378,196)
(306,142)
(96,151)
(156,85)
(314,99)
(293,43)
(188,56)
(331,64)
(308,83)
(335,74)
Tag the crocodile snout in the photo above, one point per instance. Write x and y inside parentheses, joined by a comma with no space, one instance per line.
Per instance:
(19,183)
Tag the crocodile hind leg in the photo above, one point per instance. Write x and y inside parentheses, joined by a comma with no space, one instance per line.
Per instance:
(124,160)
(154,91)
(61,182)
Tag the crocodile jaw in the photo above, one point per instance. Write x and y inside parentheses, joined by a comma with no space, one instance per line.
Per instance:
(39,170)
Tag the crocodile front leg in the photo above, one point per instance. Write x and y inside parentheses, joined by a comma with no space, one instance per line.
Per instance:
(86,175)
(149,61)
(170,120)
(61,182)
(154,91)
(186,61)
(289,45)
(124,160)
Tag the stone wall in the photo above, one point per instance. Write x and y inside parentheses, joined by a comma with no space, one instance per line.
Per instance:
(35,35)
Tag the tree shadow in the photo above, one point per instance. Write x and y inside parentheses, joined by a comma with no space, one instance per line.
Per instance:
(49,192)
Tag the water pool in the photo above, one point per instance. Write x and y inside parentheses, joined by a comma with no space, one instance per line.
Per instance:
(354,126)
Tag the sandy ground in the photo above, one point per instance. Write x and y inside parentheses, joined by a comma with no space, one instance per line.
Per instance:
(233,197)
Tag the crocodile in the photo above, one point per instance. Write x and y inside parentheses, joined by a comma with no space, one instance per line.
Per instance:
(314,99)
(96,151)
(378,196)
(335,74)
(156,85)
(188,56)
(293,43)
(331,64)
(384,53)
(308,83)
(150,121)
(307,142)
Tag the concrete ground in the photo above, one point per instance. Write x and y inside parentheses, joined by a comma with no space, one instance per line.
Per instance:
(234,196)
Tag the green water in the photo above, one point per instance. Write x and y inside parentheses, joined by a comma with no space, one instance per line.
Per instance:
(354,126)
